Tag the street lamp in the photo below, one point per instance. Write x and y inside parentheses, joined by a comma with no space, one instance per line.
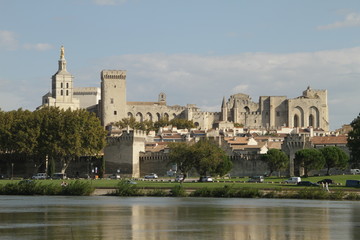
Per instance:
(12,171)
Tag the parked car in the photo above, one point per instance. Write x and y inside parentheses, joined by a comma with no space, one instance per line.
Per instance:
(308,184)
(115,176)
(328,181)
(151,176)
(179,178)
(293,180)
(355,171)
(59,176)
(352,183)
(40,176)
(206,179)
(258,179)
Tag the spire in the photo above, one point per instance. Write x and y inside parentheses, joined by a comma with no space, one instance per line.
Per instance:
(62,61)
(223,103)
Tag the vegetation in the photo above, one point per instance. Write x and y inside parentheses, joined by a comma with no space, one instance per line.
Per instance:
(309,159)
(276,160)
(334,158)
(50,134)
(205,156)
(29,187)
(354,142)
(147,125)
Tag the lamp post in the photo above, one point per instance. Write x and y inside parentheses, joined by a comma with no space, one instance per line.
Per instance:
(12,171)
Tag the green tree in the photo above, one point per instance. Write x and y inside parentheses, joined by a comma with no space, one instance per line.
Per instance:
(276,160)
(182,154)
(334,157)
(210,159)
(354,141)
(309,159)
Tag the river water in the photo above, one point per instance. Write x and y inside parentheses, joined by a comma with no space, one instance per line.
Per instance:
(103,217)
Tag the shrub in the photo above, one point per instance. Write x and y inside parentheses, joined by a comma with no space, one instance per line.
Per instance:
(78,188)
(157,193)
(125,188)
(337,195)
(202,192)
(226,191)
(310,193)
(178,191)
(352,196)
(248,193)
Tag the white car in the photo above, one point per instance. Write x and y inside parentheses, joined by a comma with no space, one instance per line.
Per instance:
(40,176)
(206,179)
(151,176)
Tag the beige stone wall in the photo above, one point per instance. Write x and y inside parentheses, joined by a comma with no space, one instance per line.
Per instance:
(113,96)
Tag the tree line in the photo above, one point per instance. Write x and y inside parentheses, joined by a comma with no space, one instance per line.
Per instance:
(50,134)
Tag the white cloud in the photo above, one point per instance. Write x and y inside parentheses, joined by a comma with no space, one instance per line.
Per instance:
(109,2)
(351,20)
(38,46)
(8,40)
(205,80)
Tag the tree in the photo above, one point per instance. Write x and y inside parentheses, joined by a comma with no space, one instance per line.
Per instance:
(182,154)
(276,160)
(210,159)
(309,159)
(334,157)
(354,141)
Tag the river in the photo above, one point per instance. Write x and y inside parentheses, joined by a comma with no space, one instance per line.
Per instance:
(104,217)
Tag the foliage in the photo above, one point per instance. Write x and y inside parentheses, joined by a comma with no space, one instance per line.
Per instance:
(124,188)
(148,125)
(51,133)
(309,159)
(182,154)
(334,157)
(157,193)
(29,187)
(210,159)
(276,160)
(354,141)
(178,191)
(78,188)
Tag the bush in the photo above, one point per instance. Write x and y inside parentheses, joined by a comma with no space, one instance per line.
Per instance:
(157,193)
(202,192)
(126,189)
(78,188)
(310,193)
(248,193)
(178,191)
(227,191)
(352,196)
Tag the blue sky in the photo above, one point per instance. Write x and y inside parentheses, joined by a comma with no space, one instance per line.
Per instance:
(195,51)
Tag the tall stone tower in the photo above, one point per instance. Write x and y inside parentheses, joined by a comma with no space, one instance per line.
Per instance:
(113,96)
(62,88)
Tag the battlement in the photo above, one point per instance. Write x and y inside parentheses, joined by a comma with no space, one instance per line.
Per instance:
(113,74)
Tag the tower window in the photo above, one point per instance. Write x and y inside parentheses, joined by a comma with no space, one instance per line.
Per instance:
(61,92)
(67,92)
(61,85)
(67,85)
(115,112)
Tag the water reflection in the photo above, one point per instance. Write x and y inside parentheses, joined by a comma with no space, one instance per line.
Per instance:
(176,218)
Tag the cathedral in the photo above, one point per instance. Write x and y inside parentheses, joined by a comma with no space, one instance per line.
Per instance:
(109,102)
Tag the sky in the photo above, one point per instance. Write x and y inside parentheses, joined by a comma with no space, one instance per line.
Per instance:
(195,51)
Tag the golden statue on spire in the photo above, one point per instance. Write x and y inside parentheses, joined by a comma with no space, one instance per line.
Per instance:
(62,52)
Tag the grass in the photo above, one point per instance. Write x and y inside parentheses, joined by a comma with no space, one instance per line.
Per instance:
(270,183)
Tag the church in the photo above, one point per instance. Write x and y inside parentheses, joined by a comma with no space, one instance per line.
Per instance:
(110,104)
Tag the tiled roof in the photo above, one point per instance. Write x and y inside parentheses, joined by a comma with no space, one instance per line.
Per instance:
(329,140)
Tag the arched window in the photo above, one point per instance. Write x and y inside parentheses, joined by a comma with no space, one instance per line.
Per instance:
(247,109)
(296,120)
(311,120)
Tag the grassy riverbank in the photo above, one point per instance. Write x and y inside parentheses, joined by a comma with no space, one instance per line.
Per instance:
(236,187)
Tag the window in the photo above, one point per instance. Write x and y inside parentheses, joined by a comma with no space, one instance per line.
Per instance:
(115,112)
(61,85)
(67,92)
(61,92)
(111,100)
(67,85)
